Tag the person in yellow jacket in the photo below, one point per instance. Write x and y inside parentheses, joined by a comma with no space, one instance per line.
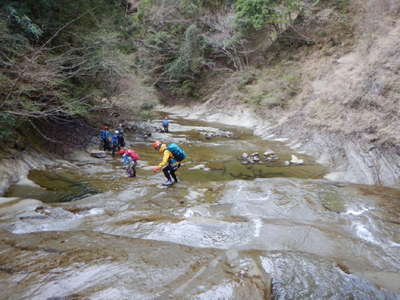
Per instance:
(168,164)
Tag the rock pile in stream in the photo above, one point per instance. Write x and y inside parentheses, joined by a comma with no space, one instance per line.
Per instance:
(254,158)
(217,133)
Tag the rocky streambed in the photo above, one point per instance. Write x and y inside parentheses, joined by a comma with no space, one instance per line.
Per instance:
(227,230)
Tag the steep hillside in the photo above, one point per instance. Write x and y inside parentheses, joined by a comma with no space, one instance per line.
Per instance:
(331,85)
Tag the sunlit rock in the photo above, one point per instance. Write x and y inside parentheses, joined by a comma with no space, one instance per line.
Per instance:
(296,161)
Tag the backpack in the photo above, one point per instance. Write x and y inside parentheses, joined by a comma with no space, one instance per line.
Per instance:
(178,153)
(126,159)
(104,134)
(133,154)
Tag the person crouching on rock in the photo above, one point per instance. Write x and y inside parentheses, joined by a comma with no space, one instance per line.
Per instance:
(105,136)
(172,157)
(129,160)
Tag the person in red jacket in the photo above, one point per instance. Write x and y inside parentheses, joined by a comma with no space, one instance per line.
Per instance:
(129,159)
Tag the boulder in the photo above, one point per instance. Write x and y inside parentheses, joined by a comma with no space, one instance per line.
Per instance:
(296,161)
(273,158)
(269,152)
(98,154)
(255,154)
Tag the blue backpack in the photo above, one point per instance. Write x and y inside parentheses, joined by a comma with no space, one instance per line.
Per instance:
(178,153)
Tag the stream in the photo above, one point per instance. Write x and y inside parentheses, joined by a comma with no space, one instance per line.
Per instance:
(84,230)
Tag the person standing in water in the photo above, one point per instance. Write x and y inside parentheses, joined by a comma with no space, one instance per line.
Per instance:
(115,142)
(129,160)
(121,138)
(165,125)
(105,136)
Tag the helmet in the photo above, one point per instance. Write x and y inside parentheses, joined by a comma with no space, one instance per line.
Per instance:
(122,151)
(116,131)
(156,145)
(105,127)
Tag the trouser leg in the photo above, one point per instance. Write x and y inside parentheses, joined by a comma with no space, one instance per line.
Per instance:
(172,172)
(106,145)
(114,148)
(166,172)
(132,167)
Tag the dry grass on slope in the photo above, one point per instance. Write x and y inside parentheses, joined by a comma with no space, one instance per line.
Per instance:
(347,82)
(358,92)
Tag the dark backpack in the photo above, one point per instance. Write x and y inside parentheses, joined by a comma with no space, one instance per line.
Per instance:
(178,153)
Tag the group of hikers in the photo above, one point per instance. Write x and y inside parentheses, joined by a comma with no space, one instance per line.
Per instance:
(173,155)
(112,141)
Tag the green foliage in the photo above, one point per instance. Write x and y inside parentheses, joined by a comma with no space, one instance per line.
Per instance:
(147,106)
(206,4)
(189,60)
(187,88)
(255,14)
(7,125)
(58,57)
(342,5)
(84,16)
(25,24)
(179,40)
(246,78)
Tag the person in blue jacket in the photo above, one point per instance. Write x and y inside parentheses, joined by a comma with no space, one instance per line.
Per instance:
(121,136)
(105,136)
(129,160)
(165,125)
(115,142)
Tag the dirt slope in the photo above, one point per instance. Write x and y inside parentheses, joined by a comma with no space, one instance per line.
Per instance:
(338,99)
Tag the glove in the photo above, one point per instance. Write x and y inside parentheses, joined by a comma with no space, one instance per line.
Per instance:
(156,169)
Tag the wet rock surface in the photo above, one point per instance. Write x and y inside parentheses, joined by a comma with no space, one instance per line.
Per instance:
(98,154)
(225,231)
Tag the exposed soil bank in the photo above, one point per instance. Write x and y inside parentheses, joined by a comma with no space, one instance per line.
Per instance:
(336,98)
(348,159)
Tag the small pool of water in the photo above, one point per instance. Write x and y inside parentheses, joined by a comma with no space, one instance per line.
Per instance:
(209,160)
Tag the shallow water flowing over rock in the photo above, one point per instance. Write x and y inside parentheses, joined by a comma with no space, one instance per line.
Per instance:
(225,231)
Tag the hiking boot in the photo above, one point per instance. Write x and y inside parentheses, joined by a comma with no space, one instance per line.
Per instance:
(168,182)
